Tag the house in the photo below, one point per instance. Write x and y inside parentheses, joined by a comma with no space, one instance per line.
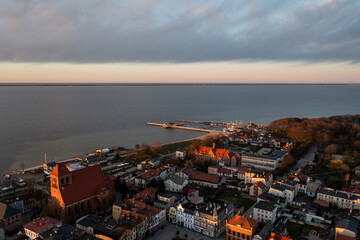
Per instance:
(252,176)
(257,189)
(175,183)
(240,227)
(10,217)
(78,192)
(65,232)
(210,218)
(241,172)
(144,179)
(312,188)
(268,162)
(168,199)
(184,173)
(198,178)
(39,225)
(301,179)
(264,211)
(221,171)
(147,195)
(286,189)
(180,154)
(346,229)
(223,157)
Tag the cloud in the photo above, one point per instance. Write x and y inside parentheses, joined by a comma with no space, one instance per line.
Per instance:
(92,31)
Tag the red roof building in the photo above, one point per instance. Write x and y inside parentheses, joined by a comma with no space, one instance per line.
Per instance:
(78,192)
(241,228)
(275,236)
(222,156)
(40,225)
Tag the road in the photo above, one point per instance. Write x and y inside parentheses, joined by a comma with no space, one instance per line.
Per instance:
(307,159)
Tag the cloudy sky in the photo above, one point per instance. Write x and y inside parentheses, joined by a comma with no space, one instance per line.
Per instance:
(180,41)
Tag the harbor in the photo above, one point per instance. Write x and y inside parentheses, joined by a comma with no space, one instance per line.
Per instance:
(173,126)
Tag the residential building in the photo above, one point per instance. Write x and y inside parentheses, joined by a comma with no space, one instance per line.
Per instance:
(346,229)
(185,214)
(39,225)
(312,188)
(144,179)
(210,218)
(147,195)
(10,217)
(253,176)
(172,215)
(357,170)
(221,171)
(257,189)
(240,227)
(180,154)
(222,156)
(241,172)
(264,232)
(175,183)
(65,232)
(301,179)
(263,162)
(78,192)
(198,178)
(284,190)
(339,198)
(168,199)
(265,211)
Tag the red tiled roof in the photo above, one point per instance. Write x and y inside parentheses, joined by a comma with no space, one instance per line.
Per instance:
(245,223)
(321,202)
(243,169)
(357,168)
(353,188)
(145,195)
(205,177)
(86,183)
(149,174)
(60,170)
(260,184)
(224,170)
(343,237)
(42,224)
(221,153)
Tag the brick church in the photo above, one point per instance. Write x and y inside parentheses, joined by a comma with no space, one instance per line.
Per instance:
(77,192)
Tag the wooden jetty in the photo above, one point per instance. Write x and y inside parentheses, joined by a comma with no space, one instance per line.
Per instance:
(173,126)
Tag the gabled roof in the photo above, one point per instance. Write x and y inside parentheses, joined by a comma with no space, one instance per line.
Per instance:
(86,183)
(260,184)
(243,169)
(243,222)
(176,179)
(265,206)
(221,153)
(7,211)
(149,174)
(348,224)
(205,177)
(60,170)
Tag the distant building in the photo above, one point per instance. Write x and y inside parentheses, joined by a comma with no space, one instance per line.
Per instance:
(256,176)
(257,189)
(268,162)
(180,154)
(222,156)
(147,195)
(284,190)
(301,179)
(240,227)
(241,172)
(79,192)
(339,198)
(144,179)
(10,217)
(357,170)
(221,171)
(198,178)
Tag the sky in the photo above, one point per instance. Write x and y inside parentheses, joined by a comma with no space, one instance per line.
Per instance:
(239,41)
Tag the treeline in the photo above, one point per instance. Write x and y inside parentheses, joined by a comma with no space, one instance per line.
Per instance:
(343,131)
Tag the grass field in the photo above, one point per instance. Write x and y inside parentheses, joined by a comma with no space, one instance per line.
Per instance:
(236,198)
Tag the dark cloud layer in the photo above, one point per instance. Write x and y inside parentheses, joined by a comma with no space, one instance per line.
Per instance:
(179,31)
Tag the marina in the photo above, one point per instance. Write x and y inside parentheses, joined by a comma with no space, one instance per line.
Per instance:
(173,126)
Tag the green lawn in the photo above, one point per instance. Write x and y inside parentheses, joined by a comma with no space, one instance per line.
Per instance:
(172,147)
(236,198)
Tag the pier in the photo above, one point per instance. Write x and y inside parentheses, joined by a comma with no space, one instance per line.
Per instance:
(173,126)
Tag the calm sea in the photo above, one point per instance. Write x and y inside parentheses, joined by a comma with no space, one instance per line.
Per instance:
(65,121)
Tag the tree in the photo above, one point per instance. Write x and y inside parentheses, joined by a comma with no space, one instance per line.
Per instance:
(331,149)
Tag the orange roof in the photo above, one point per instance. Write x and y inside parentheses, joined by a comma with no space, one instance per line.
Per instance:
(321,202)
(86,183)
(39,225)
(216,151)
(145,195)
(60,170)
(243,222)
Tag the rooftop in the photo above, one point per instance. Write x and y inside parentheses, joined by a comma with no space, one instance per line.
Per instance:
(243,222)
(40,224)
(265,206)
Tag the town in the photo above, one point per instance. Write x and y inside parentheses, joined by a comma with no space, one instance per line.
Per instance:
(249,182)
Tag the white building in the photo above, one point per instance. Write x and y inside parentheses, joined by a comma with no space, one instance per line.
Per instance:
(284,190)
(185,215)
(175,183)
(339,198)
(264,162)
(265,211)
